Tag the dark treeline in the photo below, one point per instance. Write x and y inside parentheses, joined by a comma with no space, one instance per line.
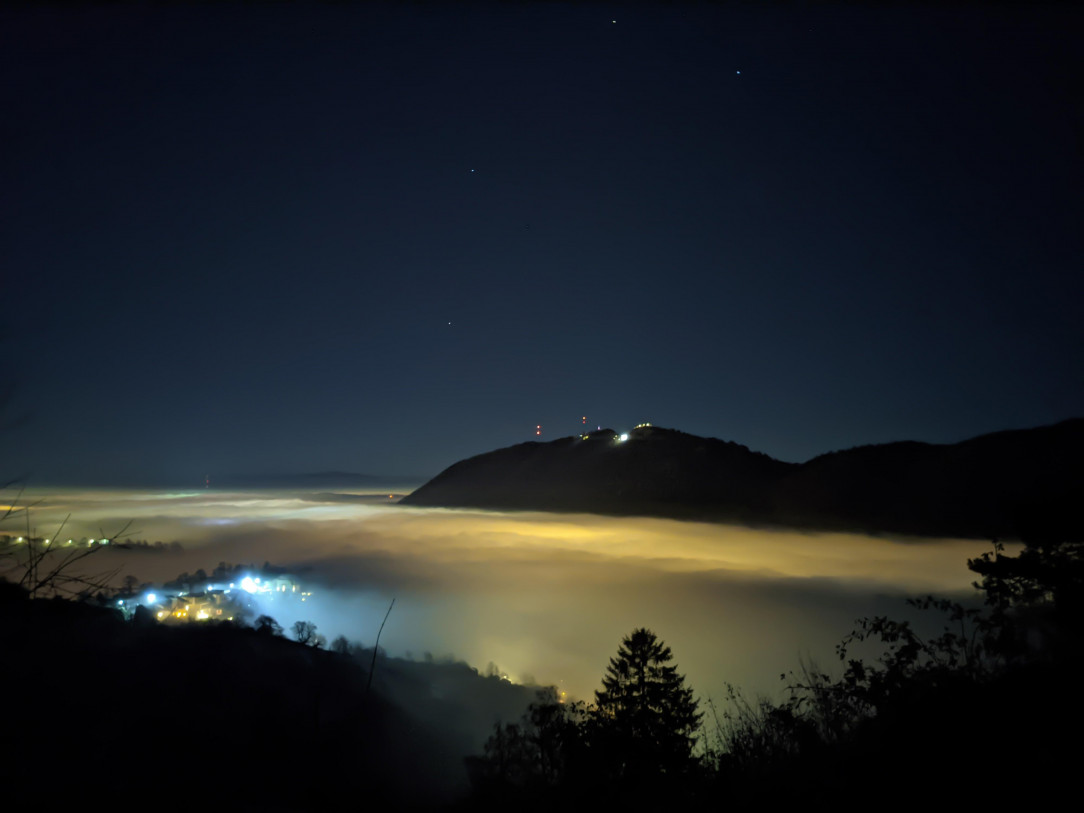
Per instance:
(158,546)
(989,706)
(224,572)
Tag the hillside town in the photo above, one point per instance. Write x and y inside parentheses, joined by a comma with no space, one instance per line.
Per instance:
(185,601)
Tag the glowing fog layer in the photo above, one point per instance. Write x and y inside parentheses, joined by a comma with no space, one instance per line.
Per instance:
(543,596)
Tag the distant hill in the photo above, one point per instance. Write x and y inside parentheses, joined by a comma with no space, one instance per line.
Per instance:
(1004,484)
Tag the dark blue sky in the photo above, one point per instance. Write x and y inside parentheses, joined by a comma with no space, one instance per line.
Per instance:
(233,238)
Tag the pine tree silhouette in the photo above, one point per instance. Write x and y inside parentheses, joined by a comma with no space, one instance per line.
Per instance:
(648,717)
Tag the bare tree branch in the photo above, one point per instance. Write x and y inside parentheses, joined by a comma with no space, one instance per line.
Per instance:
(376,647)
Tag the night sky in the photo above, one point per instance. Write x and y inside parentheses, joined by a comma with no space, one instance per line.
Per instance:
(309,237)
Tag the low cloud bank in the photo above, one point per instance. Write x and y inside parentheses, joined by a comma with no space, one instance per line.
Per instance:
(542,596)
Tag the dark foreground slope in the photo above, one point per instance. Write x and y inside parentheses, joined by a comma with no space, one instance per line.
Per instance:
(993,485)
(224,717)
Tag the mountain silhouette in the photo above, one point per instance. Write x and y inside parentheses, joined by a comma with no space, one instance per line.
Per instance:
(1006,484)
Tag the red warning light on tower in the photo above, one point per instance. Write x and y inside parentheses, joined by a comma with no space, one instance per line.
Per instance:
(538,430)
(585,420)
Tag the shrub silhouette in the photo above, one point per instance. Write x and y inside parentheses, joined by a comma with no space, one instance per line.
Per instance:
(1000,677)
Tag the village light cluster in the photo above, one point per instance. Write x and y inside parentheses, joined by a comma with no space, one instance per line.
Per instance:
(205,601)
(21,539)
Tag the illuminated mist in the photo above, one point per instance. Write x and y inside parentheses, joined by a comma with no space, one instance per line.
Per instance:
(545,597)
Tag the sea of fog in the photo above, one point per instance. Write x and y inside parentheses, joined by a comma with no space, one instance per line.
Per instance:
(547,598)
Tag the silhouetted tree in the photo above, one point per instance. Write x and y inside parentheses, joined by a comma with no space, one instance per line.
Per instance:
(647,718)
(304,632)
(341,645)
(267,625)
(142,617)
(1036,598)
(539,752)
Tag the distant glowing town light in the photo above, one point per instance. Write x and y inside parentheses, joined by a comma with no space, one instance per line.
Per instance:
(248,585)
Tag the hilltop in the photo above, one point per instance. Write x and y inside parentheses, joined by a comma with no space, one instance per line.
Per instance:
(1001,484)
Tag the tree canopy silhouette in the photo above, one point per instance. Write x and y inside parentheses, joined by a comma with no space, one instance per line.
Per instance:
(647,716)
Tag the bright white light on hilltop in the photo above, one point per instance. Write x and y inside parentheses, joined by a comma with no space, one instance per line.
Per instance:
(151,598)
(248,585)
(623,438)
